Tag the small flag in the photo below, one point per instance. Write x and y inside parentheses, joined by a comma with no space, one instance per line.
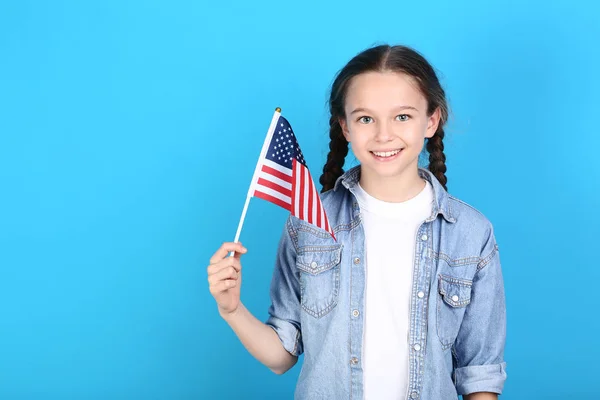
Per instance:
(282,176)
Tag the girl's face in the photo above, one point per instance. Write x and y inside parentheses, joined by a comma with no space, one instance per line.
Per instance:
(386,124)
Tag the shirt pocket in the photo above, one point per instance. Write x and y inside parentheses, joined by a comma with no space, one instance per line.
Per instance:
(454,294)
(319,268)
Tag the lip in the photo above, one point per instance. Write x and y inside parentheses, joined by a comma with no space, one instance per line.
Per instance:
(386,159)
(386,150)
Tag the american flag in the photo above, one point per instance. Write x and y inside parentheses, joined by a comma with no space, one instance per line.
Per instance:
(283,178)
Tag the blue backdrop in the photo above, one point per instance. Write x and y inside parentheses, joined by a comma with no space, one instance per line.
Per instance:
(129,132)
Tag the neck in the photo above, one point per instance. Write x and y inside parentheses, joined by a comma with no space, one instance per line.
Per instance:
(392,189)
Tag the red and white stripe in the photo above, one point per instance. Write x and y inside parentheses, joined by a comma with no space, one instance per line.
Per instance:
(292,189)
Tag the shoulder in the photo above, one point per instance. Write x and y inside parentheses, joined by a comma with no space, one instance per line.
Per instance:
(332,197)
(472,223)
(461,210)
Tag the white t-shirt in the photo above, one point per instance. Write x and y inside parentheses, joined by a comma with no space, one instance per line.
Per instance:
(390,235)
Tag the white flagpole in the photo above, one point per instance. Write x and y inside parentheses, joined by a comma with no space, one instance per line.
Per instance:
(257,171)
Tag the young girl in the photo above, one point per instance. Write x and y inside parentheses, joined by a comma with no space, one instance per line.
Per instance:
(408,303)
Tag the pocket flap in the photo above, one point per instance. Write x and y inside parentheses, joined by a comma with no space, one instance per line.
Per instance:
(456,292)
(316,259)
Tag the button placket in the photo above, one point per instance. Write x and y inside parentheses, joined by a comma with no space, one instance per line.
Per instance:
(421,275)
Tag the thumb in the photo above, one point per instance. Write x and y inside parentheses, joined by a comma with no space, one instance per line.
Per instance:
(238,254)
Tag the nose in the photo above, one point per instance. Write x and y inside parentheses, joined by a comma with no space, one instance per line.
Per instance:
(384,132)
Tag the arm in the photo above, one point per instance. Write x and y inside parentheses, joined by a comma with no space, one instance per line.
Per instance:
(276,343)
(481,396)
(284,312)
(479,346)
(260,340)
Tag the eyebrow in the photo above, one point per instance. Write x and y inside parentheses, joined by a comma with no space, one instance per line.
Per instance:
(361,109)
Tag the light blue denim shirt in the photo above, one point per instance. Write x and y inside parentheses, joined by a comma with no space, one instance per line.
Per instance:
(457,325)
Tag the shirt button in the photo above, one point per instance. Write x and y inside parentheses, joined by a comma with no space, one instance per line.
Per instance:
(414,395)
(354,361)
(355,313)
(424,237)
(417,347)
(356,260)
(455,298)
(421,294)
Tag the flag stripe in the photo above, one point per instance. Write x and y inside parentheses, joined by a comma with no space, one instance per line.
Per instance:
(294,190)
(274,186)
(315,198)
(311,210)
(287,184)
(278,167)
(272,199)
(276,173)
(306,187)
(321,214)
(319,211)
(302,191)
(299,190)
(274,193)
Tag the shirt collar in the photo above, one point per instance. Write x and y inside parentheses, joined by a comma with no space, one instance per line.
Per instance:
(441,204)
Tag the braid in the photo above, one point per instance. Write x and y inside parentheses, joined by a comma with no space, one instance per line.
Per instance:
(338,149)
(437,158)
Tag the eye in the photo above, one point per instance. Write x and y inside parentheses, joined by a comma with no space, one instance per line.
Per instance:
(403,117)
(365,120)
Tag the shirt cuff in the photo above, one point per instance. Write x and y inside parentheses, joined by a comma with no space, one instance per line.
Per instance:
(480,378)
(288,334)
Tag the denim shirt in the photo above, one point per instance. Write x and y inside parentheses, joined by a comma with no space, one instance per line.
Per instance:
(457,326)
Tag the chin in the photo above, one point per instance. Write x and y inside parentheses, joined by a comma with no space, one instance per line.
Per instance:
(387,171)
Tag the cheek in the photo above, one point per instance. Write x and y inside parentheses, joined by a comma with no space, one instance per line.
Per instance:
(415,131)
(359,132)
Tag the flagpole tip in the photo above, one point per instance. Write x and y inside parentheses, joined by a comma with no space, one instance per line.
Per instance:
(278,109)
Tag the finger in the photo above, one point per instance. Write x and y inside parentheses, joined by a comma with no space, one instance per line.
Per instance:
(225,263)
(225,273)
(226,248)
(222,286)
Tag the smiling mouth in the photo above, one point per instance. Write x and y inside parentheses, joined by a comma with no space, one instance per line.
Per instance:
(386,154)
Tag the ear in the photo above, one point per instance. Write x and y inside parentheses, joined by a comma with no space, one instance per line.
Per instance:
(432,123)
(344,125)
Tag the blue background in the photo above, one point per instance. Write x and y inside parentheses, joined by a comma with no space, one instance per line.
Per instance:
(129,132)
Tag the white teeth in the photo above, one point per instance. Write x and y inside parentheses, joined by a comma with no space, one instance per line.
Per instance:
(386,153)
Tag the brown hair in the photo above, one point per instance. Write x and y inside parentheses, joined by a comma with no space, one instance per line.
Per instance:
(400,59)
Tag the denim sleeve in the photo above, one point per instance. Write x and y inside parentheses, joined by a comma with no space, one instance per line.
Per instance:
(479,347)
(284,312)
